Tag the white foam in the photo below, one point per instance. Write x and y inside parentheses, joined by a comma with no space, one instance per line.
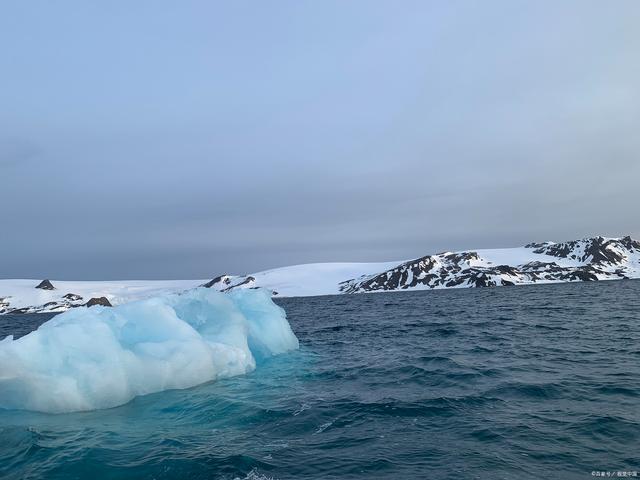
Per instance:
(100,357)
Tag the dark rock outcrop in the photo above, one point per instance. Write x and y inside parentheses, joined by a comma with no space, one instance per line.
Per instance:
(246,281)
(226,283)
(99,301)
(537,244)
(220,279)
(72,297)
(45,285)
(596,250)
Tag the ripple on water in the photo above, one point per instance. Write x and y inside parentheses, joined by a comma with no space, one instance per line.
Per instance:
(527,383)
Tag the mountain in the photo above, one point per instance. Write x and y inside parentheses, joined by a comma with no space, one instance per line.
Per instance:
(589,259)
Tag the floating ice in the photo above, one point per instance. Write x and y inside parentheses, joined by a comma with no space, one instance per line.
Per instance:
(102,357)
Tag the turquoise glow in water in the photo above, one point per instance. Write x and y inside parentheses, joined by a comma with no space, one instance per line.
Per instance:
(524,382)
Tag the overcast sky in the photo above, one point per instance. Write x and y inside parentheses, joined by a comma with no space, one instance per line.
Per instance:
(164,139)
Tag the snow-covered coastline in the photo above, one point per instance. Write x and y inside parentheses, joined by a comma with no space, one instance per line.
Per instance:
(596,258)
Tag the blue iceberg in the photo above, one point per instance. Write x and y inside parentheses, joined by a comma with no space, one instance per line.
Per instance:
(100,357)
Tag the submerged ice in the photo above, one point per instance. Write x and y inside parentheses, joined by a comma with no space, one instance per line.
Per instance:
(103,357)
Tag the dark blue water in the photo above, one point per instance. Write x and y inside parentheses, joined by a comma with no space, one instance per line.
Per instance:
(523,382)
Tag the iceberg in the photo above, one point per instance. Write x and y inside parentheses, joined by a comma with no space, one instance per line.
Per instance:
(101,357)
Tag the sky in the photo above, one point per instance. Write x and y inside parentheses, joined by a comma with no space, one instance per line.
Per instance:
(162,139)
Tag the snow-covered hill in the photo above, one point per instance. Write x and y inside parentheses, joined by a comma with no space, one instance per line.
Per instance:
(23,296)
(589,259)
(596,258)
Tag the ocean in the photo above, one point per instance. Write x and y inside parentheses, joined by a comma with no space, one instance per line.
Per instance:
(526,382)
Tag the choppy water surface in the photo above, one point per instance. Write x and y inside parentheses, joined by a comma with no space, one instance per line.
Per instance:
(524,382)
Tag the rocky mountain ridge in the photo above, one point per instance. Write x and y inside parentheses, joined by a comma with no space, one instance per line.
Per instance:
(590,259)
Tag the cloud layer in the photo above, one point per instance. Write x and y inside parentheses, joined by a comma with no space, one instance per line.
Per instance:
(164,140)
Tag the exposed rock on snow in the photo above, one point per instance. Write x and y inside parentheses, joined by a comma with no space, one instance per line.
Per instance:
(589,259)
(217,282)
(72,296)
(45,285)
(104,301)
(226,283)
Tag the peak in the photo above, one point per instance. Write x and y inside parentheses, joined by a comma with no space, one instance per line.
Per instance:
(104,301)
(224,278)
(45,285)
(603,239)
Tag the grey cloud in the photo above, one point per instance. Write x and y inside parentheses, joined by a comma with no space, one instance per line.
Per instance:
(180,150)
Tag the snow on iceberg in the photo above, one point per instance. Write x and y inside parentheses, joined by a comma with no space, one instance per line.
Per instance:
(102,357)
